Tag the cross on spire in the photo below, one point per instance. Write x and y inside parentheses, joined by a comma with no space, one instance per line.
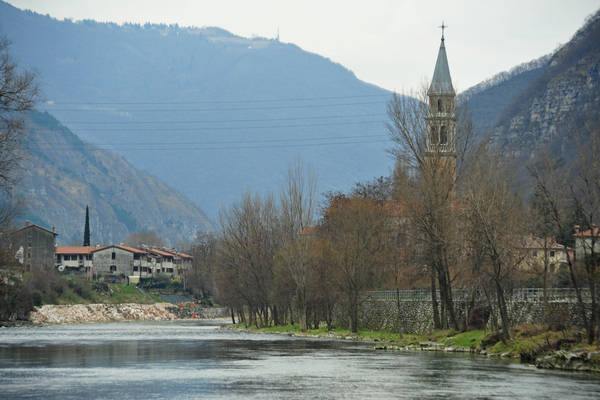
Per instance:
(443,27)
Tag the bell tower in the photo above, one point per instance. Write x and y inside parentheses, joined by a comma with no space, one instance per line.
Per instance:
(441,121)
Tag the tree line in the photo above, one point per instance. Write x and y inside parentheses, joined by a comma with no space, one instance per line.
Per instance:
(442,223)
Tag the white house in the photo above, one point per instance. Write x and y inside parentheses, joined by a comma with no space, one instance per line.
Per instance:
(74,257)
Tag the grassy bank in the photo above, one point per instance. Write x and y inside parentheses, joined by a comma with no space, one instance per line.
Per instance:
(534,340)
(89,292)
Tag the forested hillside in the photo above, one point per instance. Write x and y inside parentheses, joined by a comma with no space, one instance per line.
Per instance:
(62,175)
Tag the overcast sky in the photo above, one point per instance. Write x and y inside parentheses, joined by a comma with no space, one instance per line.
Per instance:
(391,43)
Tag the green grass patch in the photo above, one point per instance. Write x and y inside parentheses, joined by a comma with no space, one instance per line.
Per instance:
(465,339)
(78,291)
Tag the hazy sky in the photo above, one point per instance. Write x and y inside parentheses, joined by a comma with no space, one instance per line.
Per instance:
(391,43)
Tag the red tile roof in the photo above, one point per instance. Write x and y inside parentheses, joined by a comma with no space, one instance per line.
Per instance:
(588,233)
(76,249)
(132,249)
(178,253)
(122,247)
(532,242)
(161,252)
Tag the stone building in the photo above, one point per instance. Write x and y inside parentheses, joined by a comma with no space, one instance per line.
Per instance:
(121,261)
(33,246)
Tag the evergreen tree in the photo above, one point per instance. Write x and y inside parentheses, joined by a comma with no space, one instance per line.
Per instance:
(86,231)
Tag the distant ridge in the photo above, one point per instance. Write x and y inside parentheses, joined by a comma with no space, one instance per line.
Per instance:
(212,113)
(62,175)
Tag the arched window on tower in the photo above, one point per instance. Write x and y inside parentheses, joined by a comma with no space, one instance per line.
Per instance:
(443,135)
(440,105)
(435,138)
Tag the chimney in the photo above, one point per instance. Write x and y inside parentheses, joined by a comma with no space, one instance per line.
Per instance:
(26,222)
(53,229)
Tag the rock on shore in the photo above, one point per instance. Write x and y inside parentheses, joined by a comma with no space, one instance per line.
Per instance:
(60,314)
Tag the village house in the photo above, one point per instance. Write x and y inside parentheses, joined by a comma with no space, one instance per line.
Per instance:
(33,246)
(182,262)
(121,261)
(164,262)
(75,258)
(536,249)
(586,240)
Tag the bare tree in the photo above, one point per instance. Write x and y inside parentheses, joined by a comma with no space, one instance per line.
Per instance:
(433,209)
(551,185)
(250,237)
(298,204)
(356,235)
(585,195)
(200,279)
(18,94)
(494,222)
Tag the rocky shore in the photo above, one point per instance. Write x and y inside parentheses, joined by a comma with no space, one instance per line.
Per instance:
(574,360)
(84,313)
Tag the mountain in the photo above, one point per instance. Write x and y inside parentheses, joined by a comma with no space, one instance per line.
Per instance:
(543,103)
(487,100)
(62,175)
(212,113)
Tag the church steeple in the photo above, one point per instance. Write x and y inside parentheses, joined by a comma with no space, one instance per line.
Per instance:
(441,82)
(441,121)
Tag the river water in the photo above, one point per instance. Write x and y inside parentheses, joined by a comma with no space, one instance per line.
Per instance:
(194,359)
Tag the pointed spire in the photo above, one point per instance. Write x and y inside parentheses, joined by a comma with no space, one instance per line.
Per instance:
(441,82)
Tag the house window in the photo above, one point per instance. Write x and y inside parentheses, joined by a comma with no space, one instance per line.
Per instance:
(534,253)
(58,258)
(81,256)
(113,255)
(158,270)
(144,269)
(135,268)
(136,256)
(439,105)
(170,270)
(113,268)
(88,257)
(552,254)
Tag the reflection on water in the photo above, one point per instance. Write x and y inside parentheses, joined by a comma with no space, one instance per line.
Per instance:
(185,360)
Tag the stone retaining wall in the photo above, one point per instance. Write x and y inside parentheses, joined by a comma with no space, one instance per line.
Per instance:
(417,316)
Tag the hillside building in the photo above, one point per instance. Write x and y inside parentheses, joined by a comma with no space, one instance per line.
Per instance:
(33,246)
(586,242)
(75,258)
(121,261)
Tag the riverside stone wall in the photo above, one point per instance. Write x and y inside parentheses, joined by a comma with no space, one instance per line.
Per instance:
(417,316)
(80,313)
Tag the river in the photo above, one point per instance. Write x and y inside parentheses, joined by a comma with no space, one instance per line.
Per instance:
(194,359)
